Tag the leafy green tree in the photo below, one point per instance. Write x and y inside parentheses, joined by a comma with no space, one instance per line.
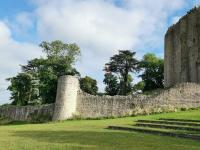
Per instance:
(129,85)
(89,85)
(47,73)
(138,87)
(23,89)
(61,56)
(123,64)
(60,60)
(153,72)
(112,84)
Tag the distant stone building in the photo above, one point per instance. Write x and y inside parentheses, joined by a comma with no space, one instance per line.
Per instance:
(182,50)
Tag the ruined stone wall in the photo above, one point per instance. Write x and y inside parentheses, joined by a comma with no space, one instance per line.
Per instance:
(64,107)
(27,113)
(185,95)
(71,101)
(90,106)
(182,50)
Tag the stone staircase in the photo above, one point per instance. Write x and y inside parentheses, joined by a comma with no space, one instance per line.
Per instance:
(166,127)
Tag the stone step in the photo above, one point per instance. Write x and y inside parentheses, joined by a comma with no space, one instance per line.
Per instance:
(156,132)
(163,126)
(180,120)
(169,122)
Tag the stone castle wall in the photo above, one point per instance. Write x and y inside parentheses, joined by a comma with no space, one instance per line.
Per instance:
(27,113)
(90,106)
(186,95)
(71,101)
(182,50)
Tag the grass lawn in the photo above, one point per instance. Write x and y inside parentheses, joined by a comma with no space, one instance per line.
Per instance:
(92,134)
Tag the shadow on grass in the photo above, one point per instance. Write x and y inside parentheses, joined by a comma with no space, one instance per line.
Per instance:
(69,136)
(6,122)
(89,139)
(103,139)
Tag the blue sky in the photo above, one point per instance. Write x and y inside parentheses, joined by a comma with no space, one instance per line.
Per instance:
(99,27)
(11,8)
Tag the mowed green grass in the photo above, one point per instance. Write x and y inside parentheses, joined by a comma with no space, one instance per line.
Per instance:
(93,135)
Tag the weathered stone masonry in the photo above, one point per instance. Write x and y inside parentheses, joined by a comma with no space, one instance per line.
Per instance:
(182,50)
(71,101)
(186,95)
(66,98)
(28,113)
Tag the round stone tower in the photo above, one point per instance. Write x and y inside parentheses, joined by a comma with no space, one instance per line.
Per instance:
(66,98)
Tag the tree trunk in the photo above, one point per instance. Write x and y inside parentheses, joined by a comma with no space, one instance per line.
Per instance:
(125,81)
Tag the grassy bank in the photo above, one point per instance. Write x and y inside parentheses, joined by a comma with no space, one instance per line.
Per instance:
(92,134)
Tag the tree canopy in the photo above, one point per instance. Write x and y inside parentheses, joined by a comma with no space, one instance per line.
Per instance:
(123,64)
(24,89)
(89,85)
(112,84)
(37,82)
(153,72)
(43,73)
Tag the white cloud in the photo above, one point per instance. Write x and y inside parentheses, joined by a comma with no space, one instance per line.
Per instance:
(101,27)
(4,33)
(13,53)
(24,21)
(21,23)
